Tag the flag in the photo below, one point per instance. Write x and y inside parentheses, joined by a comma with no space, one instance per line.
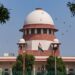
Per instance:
(50,47)
(40,47)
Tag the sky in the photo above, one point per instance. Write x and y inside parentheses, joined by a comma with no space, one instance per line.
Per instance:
(19,9)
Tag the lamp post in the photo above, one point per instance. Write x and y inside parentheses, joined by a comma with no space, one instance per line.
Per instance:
(21,44)
(55,45)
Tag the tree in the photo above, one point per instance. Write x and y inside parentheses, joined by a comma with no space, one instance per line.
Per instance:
(29,61)
(71,6)
(18,66)
(50,66)
(4,14)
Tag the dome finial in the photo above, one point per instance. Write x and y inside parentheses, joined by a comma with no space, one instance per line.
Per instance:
(38,8)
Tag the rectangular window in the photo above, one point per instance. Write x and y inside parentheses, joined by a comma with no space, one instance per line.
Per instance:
(27,31)
(38,31)
(52,32)
(45,31)
(49,31)
(32,31)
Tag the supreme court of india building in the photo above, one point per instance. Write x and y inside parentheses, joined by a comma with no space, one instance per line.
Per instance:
(38,29)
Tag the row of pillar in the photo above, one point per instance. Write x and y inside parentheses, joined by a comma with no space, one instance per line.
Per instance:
(42,31)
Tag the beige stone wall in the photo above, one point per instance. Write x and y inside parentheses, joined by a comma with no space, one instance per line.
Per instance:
(70,67)
(6,67)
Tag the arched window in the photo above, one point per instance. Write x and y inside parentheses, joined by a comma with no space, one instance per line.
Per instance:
(71,71)
(6,71)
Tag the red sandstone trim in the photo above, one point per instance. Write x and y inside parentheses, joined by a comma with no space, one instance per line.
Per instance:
(7,60)
(42,59)
(40,53)
(39,37)
(29,26)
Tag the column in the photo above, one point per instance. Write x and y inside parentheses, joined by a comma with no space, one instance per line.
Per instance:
(67,70)
(47,31)
(29,31)
(34,70)
(35,31)
(41,31)
(10,71)
(0,71)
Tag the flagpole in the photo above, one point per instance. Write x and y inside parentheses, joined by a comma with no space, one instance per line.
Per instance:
(55,45)
(55,66)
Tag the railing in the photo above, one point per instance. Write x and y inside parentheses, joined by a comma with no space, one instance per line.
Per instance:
(21,73)
(31,73)
(49,73)
(17,73)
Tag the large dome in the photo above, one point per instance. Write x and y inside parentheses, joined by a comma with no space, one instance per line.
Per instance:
(39,16)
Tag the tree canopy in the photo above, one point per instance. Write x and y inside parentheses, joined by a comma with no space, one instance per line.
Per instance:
(71,6)
(18,66)
(4,14)
(60,66)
